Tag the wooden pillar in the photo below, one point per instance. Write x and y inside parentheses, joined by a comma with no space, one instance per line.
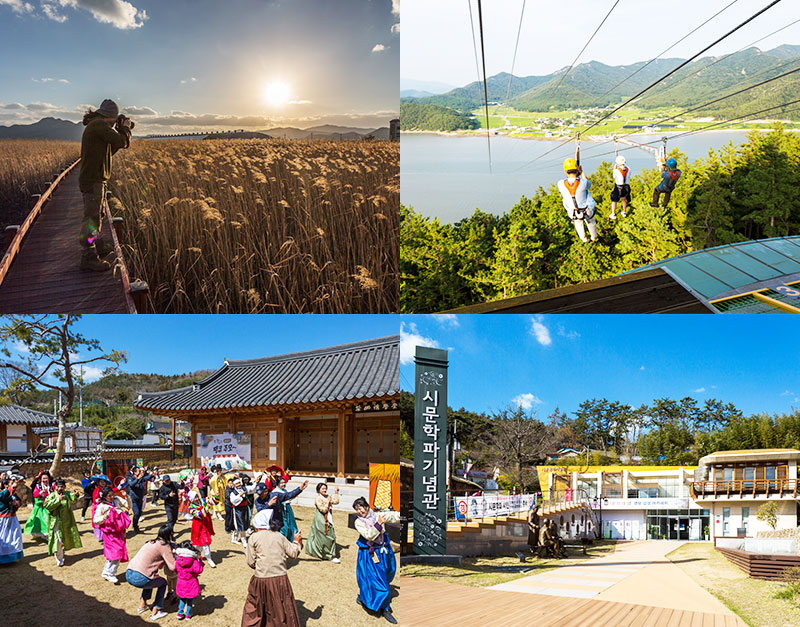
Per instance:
(173,437)
(283,458)
(193,440)
(341,432)
(3,443)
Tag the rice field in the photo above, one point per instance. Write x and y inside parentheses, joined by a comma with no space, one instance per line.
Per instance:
(25,166)
(261,226)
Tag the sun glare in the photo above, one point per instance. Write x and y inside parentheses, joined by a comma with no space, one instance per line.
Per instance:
(276,94)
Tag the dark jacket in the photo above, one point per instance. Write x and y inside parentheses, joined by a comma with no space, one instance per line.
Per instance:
(169,493)
(88,487)
(277,509)
(137,487)
(100,140)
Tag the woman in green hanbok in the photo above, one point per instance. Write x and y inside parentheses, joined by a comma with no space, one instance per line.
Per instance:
(321,541)
(62,532)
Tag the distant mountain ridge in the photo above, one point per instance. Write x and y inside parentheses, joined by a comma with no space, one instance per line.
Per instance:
(54,128)
(46,128)
(587,84)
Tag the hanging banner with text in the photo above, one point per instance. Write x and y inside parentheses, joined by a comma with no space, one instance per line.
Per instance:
(430,452)
(469,507)
(223,445)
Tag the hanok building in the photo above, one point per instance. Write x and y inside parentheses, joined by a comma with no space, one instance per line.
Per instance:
(327,412)
(17,429)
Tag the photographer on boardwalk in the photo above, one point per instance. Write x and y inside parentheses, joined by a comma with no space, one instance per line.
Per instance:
(106,132)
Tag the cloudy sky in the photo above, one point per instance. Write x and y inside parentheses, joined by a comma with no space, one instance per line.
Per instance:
(201,64)
(544,362)
(437,41)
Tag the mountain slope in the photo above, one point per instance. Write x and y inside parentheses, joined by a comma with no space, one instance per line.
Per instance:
(46,128)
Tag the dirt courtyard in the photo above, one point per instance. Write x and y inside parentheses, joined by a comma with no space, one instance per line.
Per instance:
(39,593)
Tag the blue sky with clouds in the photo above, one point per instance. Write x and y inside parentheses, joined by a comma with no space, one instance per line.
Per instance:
(176,344)
(437,40)
(189,63)
(550,361)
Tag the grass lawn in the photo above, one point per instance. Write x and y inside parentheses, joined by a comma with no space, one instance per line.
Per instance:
(40,593)
(489,570)
(752,599)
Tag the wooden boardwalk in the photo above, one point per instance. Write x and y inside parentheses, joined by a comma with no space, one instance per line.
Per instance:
(42,266)
(424,602)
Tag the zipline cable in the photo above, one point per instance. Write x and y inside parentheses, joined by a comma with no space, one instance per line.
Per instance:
(722,58)
(706,104)
(684,64)
(475,49)
(649,87)
(579,55)
(705,128)
(663,52)
(485,87)
(514,59)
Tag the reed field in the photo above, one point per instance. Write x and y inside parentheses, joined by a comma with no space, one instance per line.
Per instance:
(25,166)
(260,226)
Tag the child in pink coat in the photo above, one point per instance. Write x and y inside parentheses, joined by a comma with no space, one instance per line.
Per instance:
(113,521)
(189,565)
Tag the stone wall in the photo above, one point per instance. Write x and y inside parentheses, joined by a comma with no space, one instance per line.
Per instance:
(793,534)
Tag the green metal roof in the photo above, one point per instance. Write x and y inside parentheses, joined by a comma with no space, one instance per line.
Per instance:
(733,269)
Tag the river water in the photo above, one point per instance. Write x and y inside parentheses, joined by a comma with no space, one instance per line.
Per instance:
(448,177)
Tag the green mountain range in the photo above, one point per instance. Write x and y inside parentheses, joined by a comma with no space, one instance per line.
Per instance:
(595,84)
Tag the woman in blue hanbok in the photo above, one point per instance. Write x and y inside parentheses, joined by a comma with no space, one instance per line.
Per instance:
(289,527)
(375,565)
(10,531)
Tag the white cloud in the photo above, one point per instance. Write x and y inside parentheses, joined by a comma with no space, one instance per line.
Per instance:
(787,393)
(699,390)
(396,28)
(540,332)
(570,335)
(410,338)
(446,320)
(42,106)
(139,111)
(191,79)
(18,6)
(378,48)
(90,373)
(118,13)
(642,368)
(526,401)
(395,7)
(300,102)
(50,11)
(50,80)
(13,105)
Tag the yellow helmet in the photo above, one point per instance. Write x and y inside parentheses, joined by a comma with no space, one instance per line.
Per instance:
(570,164)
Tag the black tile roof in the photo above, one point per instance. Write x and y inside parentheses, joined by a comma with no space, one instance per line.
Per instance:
(362,370)
(15,414)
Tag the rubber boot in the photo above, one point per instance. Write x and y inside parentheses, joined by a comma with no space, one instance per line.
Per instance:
(90,262)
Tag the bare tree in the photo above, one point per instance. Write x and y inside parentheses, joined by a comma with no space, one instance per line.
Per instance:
(51,352)
(520,440)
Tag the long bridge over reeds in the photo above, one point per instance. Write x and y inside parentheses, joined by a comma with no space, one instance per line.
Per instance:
(40,270)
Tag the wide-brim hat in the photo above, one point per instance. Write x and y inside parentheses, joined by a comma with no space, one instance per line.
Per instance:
(103,477)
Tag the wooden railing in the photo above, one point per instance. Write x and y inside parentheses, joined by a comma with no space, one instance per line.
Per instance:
(743,487)
(15,235)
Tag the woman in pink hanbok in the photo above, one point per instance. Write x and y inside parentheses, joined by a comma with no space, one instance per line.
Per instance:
(113,521)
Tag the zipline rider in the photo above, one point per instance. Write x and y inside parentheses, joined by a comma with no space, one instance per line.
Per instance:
(577,200)
(669,177)
(622,188)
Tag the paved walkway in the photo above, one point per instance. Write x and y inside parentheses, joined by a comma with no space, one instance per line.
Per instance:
(636,571)
(636,585)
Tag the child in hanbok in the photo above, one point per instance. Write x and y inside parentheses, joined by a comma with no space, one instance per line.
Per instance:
(10,531)
(111,518)
(241,512)
(37,522)
(202,524)
(183,498)
(216,488)
(375,565)
(188,565)
(62,530)
(101,481)
(321,541)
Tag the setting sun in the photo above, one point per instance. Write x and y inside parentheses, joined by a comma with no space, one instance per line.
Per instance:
(276,94)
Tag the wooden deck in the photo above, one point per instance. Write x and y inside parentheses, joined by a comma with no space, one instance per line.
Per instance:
(43,276)
(427,602)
